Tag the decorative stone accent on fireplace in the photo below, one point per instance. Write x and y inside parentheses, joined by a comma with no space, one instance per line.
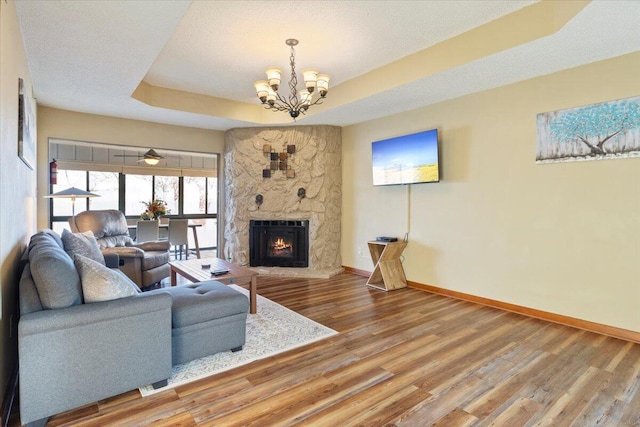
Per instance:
(318,170)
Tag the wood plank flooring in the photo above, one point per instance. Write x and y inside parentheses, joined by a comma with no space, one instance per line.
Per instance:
(402,358)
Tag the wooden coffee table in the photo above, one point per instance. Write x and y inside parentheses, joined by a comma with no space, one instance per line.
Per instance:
(192,270)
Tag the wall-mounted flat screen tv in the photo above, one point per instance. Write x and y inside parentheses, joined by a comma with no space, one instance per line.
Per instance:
(407,159)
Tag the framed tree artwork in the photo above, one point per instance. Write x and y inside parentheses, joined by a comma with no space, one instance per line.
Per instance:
(607,130)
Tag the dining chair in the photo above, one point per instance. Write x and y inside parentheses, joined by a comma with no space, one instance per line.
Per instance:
(146,231)
(163,233)
(178,236)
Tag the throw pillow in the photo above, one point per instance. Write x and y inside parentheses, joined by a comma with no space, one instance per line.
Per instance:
(53,272)
(100,283)
(82,244)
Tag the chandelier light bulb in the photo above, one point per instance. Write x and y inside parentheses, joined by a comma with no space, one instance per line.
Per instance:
(271,97)
(262,89)
(323,84)
(310,78)
(305,98)
(273,75)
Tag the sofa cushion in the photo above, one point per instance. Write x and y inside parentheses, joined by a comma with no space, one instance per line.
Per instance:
(153,259)
(53,272)
(82,244)
(100,283)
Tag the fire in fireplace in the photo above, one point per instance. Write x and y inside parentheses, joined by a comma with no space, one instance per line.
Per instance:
(281,248)
(279,243)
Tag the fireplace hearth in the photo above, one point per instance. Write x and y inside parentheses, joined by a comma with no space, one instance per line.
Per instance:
(278,243)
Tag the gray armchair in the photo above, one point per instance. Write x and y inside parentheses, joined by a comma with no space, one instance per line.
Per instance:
(146,263)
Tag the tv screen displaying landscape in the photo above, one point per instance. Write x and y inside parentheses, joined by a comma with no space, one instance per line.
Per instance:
(408,159)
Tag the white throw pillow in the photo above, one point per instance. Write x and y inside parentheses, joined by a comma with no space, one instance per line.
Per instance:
(100,283)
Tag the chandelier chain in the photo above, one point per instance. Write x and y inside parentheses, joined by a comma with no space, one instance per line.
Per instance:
(293,82)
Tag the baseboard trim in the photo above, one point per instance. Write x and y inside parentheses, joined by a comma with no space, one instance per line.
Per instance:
(586,325)
(356,271)
(9,398)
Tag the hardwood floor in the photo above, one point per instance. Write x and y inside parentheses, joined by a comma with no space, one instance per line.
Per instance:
(402,358)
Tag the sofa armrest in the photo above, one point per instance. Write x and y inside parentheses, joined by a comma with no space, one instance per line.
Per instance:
(156,245)
(77,355)
(124,251)
(111,259)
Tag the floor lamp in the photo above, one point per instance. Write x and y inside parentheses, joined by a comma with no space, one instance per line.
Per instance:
(72,193)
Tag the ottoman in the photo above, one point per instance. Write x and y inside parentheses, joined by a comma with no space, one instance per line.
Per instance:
(207,318)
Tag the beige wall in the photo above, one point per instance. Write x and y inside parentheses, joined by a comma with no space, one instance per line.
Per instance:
(563,237)
(55,123)
(17,185)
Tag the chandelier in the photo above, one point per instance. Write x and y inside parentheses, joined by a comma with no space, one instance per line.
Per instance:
(297,102)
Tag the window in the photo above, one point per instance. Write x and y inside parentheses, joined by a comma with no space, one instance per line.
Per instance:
(212,195)
(186,181)
(106,185)
(195,190)
(192,197)
(138,189)
(200,195)
(167,188)
(67,179)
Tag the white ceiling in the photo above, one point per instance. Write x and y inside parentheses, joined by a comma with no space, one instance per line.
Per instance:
(89,56)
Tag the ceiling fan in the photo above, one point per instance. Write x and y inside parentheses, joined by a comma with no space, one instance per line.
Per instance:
(150,157)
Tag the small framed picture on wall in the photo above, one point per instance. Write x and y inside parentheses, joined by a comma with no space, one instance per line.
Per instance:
(26,127)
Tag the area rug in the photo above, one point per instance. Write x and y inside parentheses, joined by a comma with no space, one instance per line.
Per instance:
(273,329)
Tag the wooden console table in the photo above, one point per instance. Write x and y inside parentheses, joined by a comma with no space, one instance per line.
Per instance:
(388,273)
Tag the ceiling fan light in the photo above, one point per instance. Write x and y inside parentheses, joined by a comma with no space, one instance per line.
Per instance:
(151,161)
(273,76)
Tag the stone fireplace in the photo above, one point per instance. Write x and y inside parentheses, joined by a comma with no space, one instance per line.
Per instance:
(315,166)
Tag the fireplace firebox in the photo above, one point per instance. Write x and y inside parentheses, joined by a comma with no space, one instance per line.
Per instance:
(278,243)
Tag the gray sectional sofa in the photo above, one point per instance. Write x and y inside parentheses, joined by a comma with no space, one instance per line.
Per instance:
(72,352)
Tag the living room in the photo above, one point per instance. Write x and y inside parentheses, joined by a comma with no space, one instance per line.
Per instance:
(558,241)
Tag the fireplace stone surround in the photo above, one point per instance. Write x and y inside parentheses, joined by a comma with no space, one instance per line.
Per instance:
(317,168)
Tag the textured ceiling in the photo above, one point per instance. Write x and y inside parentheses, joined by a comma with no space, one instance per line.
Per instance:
(91,56)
